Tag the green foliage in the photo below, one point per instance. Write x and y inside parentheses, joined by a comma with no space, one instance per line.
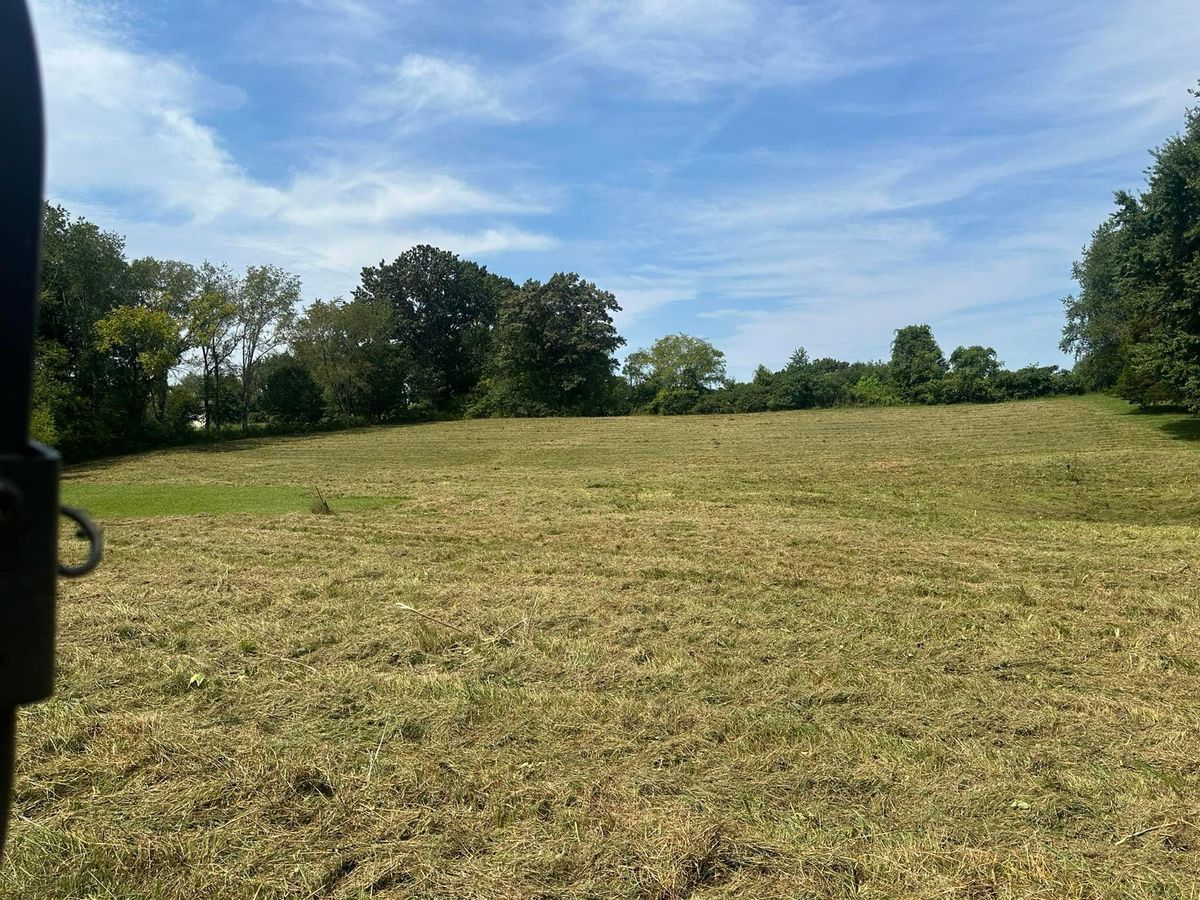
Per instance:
(41,425)
(290,393)
(142,340)
(443,310)
(84,277)
(973,376)
(792,387)
(164,284)
(1098,319)
(917,365)
(347,349)
(266,304)
(673,374)
(182,408)
(210,320)
(1036,381)
(871,390)
(131,354)
(140,345)
(1135,324)
(553,351)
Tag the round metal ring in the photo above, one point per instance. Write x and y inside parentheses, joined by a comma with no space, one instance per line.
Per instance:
(89,530)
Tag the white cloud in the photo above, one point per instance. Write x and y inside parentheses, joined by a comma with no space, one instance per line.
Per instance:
(683,49)
(936,203)
(127,145)
(123,123)
(433,87)
(642,293)
(344,194)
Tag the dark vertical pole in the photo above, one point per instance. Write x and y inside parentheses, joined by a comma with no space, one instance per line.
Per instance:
(28,474)
(21,173)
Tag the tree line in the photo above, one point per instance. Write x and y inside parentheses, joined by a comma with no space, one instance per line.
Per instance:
(683,374)
(1134,325)
(131,354)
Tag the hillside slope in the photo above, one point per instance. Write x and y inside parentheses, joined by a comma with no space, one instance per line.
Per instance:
(892,652)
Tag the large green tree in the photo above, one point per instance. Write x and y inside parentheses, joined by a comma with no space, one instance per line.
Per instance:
(169,286)
(917,366)
(443,311)
(1162,263)
(973,375)
(266,308)
(1135,322)
(289,391)
(673,373)
(212,329)
(792,386)
(554,349)
(1097,330)
(84,276)
(349,350)
(141,345)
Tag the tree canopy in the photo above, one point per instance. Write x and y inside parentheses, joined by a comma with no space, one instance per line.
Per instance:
(443,311)
(917,364)
(674,372)
(1134,324)
(553,352)
(133,353)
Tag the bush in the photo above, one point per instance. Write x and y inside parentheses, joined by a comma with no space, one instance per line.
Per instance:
(869,390)
(674,401)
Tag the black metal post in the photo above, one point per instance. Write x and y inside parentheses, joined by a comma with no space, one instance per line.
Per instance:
(28,472)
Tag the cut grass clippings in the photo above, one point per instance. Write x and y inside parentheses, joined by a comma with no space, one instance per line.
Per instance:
(942,652)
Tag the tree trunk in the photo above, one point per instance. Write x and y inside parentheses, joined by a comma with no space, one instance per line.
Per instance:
(207,411)
(247,372)
(217,394)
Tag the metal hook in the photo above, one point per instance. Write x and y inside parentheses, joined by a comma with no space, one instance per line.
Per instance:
(89,530)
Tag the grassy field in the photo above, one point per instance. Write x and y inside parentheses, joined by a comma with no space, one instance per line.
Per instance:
(945,652)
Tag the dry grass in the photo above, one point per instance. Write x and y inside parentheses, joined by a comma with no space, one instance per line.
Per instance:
(889,653)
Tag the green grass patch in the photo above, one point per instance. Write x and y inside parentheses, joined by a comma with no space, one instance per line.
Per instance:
(159,500)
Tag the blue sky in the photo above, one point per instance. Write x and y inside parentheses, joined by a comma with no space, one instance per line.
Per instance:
(760,173)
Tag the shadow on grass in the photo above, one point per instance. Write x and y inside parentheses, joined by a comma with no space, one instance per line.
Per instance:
(226,443)
(1171,420)
(1184,429)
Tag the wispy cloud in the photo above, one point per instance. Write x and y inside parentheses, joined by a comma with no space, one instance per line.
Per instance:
(129,145)
(765,172)
(684,49)
(431,89)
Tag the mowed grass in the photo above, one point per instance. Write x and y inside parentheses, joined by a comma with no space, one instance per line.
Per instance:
(945,652)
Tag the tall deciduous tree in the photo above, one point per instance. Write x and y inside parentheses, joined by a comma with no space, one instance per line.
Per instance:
(443,312)
(917,365)
(141,345)
(266,308)
(671,375)
(211,325)
(1135,323)
(1098,318)
(973,372)
(554,349)
(289,391)
(84,276)
(169,286)
(348,348)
